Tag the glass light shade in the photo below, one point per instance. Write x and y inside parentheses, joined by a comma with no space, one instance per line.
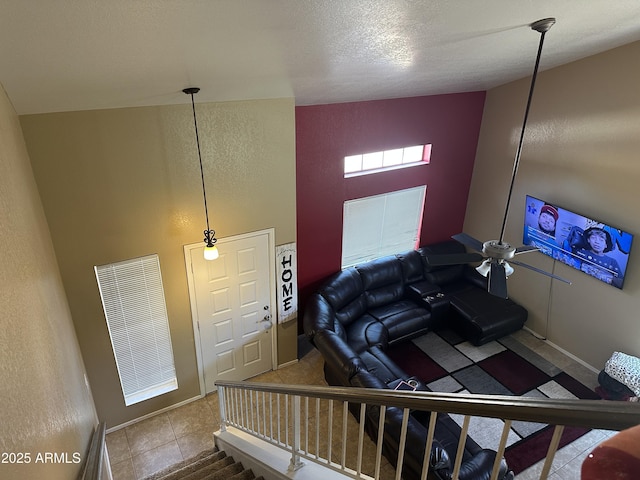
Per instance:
(211,253)
(484,268)
(508,269)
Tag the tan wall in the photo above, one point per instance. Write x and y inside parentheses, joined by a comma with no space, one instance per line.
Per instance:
(580,152)
(122,183)
(46,406)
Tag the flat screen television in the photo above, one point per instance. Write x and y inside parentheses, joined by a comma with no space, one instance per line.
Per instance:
(594,247)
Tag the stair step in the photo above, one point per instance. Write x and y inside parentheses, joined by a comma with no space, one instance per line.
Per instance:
(205,471)
(208,465)
(224,473)
(245,475)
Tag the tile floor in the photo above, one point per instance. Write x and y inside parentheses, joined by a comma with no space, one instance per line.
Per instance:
(154,443)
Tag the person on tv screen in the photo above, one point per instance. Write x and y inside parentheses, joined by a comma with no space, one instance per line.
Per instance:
(540,229)
(595,262)
(547,219)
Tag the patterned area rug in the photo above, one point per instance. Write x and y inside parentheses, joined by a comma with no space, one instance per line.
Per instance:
(446,363)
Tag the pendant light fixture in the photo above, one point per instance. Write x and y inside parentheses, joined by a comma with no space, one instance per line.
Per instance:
(210,249)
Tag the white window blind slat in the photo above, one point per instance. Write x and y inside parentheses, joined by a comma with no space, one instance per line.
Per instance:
(134,305)
(381,225)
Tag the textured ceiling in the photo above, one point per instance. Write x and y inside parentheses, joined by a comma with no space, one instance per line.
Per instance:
(61,55)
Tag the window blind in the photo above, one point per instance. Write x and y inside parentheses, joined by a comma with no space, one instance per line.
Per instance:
(134,306)
(381,225)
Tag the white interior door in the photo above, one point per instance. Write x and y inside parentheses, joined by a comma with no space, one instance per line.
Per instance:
(231,301)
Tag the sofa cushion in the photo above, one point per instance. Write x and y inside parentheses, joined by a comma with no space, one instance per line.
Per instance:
(342,288)
(403,319)
(443,276)
(382,281)
(344,292)
(412,266)
(366,332)
(379,364)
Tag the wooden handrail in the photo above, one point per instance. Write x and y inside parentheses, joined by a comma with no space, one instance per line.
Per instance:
(600,414)
(95,456)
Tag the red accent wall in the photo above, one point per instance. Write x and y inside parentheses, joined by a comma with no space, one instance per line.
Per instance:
(325,134)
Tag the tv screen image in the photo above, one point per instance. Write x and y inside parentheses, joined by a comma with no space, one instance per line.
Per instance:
(589,245)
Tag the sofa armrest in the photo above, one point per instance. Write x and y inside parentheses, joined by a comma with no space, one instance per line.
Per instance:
(338,356)
(318,316)
(480,465)
(419,290)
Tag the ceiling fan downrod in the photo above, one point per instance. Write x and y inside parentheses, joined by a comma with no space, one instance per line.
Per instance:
(541,26)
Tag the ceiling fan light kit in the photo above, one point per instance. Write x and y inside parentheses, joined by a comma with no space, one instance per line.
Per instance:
(495,253)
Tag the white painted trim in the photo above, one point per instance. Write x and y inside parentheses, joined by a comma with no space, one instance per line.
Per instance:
(153,414)
(572,356)
(268,460)
(288,364)
(535,334)
(270,232)
(194,319)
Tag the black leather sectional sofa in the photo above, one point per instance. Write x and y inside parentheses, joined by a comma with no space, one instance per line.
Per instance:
(360,311)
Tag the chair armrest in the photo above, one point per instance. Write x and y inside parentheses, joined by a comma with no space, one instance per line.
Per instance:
(338,355)
(420,290)
(479,467)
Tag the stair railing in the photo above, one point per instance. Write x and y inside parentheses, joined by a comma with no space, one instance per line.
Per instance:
(93,468)
(288,416)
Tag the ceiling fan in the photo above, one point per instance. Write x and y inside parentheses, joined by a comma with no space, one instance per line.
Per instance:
(495,253)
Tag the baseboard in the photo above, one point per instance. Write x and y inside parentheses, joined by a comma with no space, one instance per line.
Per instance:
(572,356)
(153,414)
(288,364)
(562,350)
(177,405)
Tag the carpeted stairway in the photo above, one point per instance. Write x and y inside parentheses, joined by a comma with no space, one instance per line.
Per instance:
(208,465)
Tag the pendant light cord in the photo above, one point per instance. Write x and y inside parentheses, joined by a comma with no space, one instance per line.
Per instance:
(204,194)
(541,26)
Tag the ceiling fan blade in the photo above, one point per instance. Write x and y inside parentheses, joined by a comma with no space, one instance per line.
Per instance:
(453,259)
(469,241)
(540,271)
(498,280)
(526,249)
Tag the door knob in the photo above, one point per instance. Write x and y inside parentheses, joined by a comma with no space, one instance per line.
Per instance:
(265,323)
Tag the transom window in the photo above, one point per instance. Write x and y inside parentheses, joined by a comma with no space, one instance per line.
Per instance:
(366,163)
